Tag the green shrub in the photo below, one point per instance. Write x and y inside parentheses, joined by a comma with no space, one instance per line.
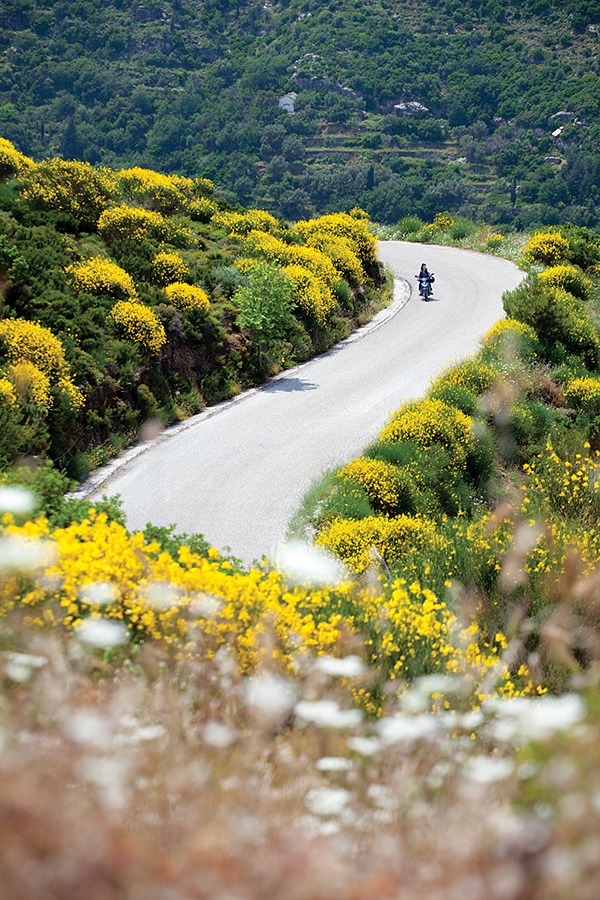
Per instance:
(584,245)
(409,225)
(530,424)
(347,500)
(51,488)
(561,321)
(460,229)
(455,395)
(265,304)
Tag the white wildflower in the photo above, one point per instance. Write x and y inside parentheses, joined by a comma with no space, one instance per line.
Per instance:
(101,632)
(347,667)
(327,714)
(306,564)
(327,801)
(17,500)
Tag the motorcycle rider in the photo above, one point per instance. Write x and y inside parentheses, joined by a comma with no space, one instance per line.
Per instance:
(425,279)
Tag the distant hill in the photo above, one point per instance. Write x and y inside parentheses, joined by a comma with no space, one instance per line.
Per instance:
(506,125)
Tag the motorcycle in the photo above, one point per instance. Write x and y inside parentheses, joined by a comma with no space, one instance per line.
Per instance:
(425,289)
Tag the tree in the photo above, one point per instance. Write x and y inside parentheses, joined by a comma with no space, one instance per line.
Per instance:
(265,306)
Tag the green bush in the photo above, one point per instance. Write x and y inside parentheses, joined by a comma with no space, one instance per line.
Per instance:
(51,487)
(530,424)
(455,395)
(561,321)
(460,229)
(409,225)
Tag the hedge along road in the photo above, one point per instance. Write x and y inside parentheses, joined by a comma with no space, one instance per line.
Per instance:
(238,471)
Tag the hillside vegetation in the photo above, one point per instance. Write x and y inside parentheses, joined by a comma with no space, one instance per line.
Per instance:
(405,703)
(193,87)
(129,296)
(434,704)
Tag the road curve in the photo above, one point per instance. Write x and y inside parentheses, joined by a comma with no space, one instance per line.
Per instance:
(238,471)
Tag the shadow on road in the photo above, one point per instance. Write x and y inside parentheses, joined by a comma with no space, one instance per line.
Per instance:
(290,384)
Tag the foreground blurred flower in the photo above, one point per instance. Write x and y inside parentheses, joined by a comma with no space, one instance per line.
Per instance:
(408,729)
(334,764)
(523,719)
(327,801)
(305,564)
(347,667)
(98,593)
(216,734)
(269,696)
(25,554)
(19,666)
(101,633)
(488,769)
(17,500)
(327,714)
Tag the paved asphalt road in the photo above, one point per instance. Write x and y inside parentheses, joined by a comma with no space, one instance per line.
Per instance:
(237,472)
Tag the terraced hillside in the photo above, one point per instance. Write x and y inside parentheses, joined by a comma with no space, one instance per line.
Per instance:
(195,86)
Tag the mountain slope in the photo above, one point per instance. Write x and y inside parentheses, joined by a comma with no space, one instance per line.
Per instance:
(193,86)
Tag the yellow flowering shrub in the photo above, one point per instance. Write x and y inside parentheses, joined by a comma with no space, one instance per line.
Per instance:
(95,569)
(139,324)
(317,262)
(353,540)
(568,487)
(37,364)
(443,221)
(584,393)
(102,276)
(379,479)
(276,250)
(76,188)
(203,187)
(473,374)
(569,278)
(355,230)
(12,162)
(201,209)
(340,252)
(312,297)
(429,422)
(548,248)
(169,267)
(31,385)
(242,224)
(153,190)
(265,245)
(509,326)
(28,341)
(185,296)
(7,391)
(420,635)
(246,264)
(132,223)
(494,241)
(70,391)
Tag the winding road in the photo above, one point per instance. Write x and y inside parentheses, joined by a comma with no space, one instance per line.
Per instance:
(238,471)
